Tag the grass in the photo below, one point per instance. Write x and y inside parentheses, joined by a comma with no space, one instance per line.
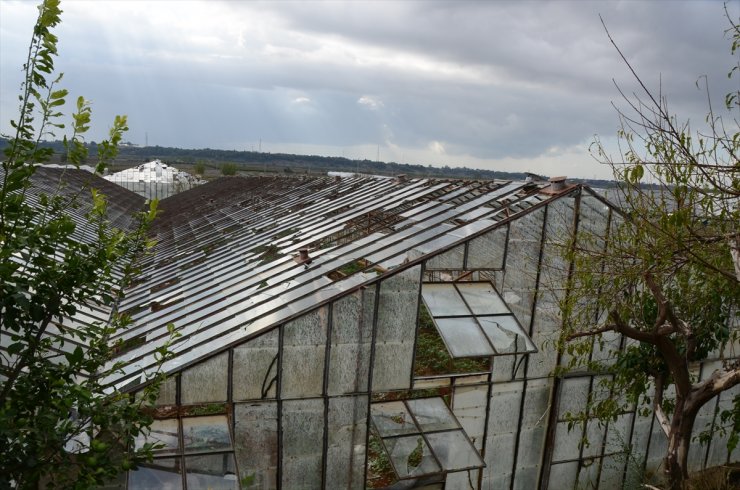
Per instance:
(716,478)
(380,471)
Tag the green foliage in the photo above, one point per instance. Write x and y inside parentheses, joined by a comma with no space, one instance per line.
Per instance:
(228,169)
(59,426)
(665,277)
(199,168)
(380,470)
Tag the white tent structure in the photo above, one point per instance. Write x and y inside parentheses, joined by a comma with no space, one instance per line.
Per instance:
(154,179)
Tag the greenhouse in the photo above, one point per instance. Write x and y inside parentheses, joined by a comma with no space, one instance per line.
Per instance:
(355,332)
(154,180)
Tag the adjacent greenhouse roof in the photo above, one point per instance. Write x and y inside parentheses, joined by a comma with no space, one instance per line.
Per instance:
(227,266)
(239,256)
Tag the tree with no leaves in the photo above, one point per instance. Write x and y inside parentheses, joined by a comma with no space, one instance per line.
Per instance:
(667,275)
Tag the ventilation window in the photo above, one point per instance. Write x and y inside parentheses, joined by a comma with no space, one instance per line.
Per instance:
(474,321)
(190,452)
(422,437)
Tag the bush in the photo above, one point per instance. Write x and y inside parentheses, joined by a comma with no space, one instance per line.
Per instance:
(228,169)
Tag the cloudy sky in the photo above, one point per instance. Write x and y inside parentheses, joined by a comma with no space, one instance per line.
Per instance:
(514,86)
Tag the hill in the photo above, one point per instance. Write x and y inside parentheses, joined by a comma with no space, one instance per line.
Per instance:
(252,161)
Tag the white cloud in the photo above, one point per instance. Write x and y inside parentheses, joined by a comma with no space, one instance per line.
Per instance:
(301,100)
(372,103)
(437,147)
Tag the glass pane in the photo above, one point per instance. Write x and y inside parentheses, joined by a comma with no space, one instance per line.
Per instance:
(205,434)
(206,382)
(398,305)
(502,332)
(213,471)
(255,368)
(443,300)
(304,348)
(410,456)
(302,423)
(482,298)
(463,337)
(392,419)
(256,443)
(345,457)
(432,414)
(161,473)
(454,451)
(163,433)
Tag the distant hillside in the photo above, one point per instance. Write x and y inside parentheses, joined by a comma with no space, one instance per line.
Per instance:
(130,155)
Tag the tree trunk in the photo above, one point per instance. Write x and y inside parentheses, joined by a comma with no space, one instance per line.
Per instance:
(679,440)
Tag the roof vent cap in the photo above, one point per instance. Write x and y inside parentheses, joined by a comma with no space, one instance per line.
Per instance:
(558,183)
(302,257)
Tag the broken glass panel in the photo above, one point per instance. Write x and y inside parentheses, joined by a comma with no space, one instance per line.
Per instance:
(201,434)
(411,456)
(255,368)
(392,419)
(503,331)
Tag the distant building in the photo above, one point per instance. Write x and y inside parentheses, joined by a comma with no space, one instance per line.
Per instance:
(154,179)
